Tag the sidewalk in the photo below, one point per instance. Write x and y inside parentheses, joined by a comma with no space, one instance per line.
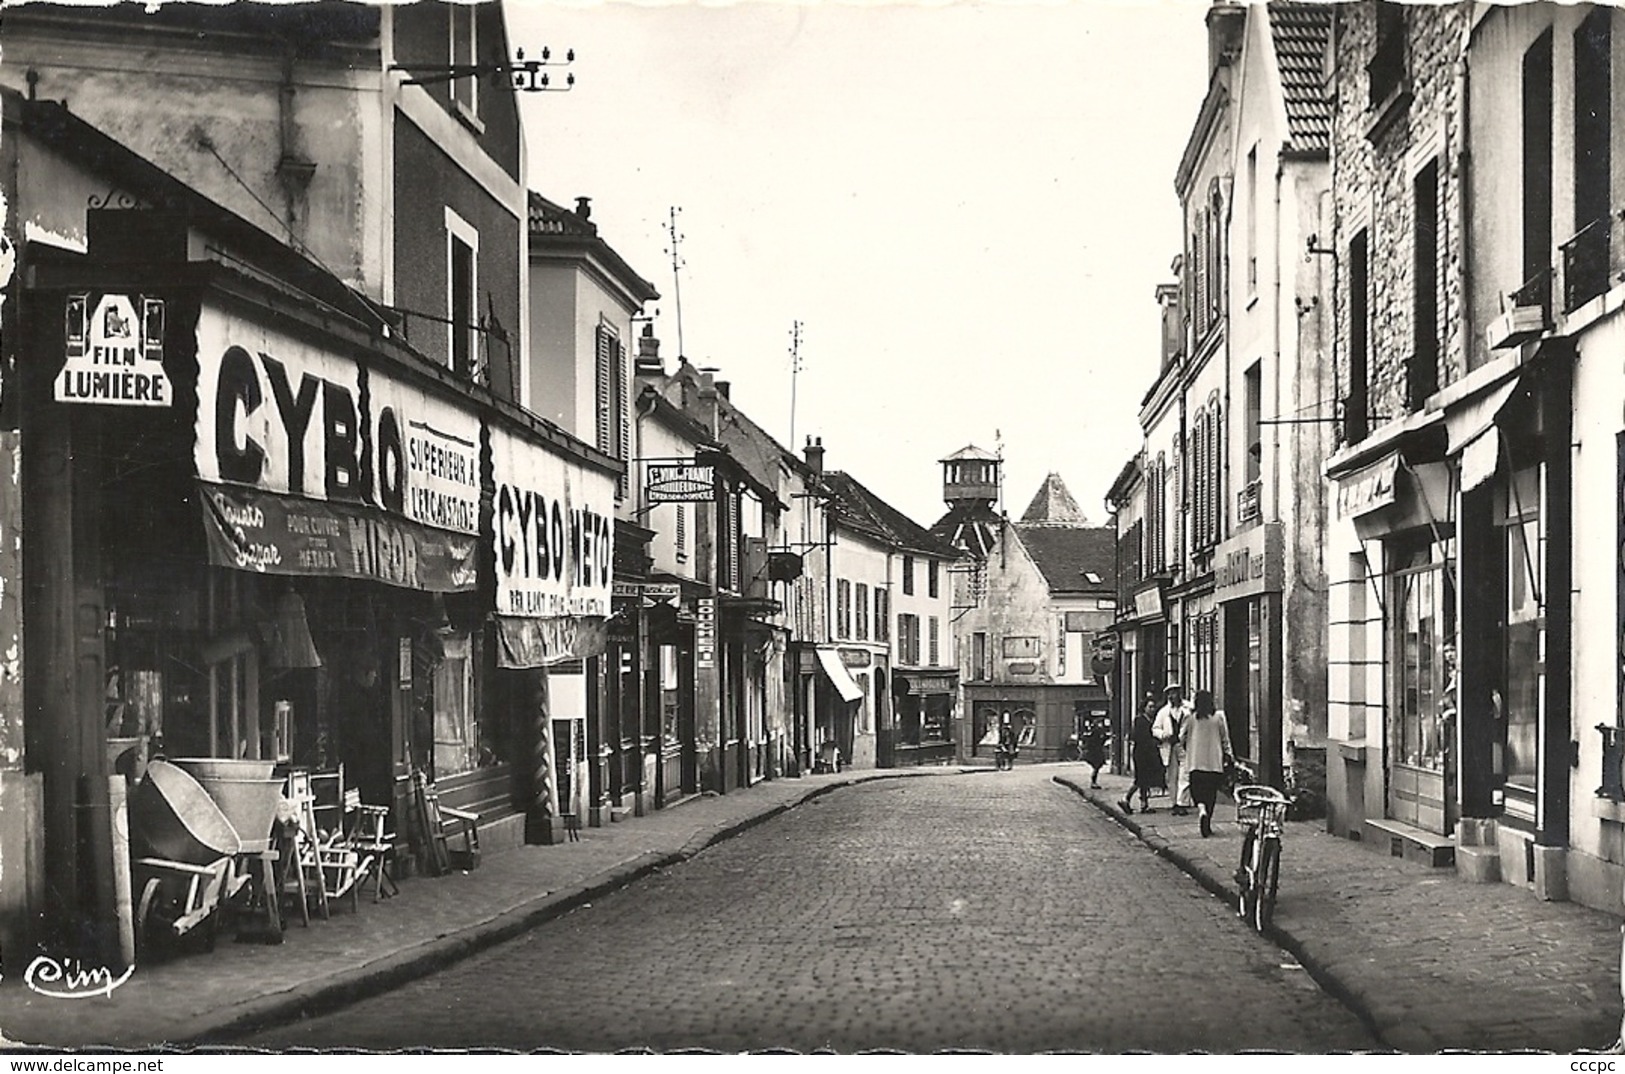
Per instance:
(1430,962)
(213,997)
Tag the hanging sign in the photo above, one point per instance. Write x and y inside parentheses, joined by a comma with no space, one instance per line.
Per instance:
(552,530)
(679,482)
(114,352)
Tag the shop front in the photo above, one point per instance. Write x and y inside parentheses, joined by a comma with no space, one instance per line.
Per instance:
(1245,630)
(923,703)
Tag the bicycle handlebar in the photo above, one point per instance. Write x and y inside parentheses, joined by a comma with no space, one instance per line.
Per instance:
(1258,794)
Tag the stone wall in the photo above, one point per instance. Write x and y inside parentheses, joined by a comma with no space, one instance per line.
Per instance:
(1376,155)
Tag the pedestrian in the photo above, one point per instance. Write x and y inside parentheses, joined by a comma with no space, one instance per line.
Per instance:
(1169,722)
(1147,758)
(1206,741)
(1007,744)
(1094,749)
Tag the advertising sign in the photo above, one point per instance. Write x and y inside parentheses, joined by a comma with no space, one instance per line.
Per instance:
(114,352)
(705,632)
(679,482)
(270,534)
(428,456)
(553,531)
(276,413)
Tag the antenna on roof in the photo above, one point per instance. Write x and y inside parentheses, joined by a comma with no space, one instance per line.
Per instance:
(677,277)
(795,367)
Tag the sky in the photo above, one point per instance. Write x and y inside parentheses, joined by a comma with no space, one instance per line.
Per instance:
(967,206)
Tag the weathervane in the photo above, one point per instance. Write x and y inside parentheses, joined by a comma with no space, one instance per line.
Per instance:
(528,76)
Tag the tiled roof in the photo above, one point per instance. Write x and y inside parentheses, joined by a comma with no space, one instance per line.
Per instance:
(1054,504)
(1065,553)
(551,223)
(1300,31)
(860,507)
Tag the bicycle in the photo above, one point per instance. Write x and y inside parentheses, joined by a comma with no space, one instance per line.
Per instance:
(1261,810)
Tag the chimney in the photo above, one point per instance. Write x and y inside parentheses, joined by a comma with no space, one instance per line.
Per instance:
(814,451)
(584,208)
(722,388)
(648,362)
(1225,23)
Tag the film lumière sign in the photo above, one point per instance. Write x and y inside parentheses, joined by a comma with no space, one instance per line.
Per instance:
(114,352)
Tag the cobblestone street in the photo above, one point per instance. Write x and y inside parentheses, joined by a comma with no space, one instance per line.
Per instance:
(990,912)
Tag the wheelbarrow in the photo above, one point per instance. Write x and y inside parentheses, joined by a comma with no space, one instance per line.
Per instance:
(183,848)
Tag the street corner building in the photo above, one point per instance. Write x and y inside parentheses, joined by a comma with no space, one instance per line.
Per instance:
(264,382)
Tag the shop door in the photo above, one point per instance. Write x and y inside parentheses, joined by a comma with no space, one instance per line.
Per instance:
(687,751)
(564,765)
(1240,674)
(1420,727)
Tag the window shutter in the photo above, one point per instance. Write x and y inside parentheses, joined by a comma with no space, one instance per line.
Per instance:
(603,386)
(680,535)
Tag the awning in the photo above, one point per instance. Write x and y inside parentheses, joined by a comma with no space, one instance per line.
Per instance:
(839,677)
(1472,434)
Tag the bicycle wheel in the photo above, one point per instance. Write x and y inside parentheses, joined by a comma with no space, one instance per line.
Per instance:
(1246,873)
(1266,883)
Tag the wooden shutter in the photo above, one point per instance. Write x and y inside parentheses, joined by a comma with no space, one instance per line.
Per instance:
(603,389)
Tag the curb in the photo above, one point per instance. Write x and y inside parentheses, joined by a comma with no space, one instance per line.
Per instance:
(391,970)
(1317,970)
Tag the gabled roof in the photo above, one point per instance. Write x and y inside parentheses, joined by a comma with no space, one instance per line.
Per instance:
(1300,32)
(857,506)
(1067,554)
(552,227)
(1054,505)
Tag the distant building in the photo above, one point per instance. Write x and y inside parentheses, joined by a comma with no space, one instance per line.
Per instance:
(1028,607)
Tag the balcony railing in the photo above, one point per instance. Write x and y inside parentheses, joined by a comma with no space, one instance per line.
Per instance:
(1586,263)
(1247,500)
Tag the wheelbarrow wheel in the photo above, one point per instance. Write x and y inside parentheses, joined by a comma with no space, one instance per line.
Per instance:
(146,918)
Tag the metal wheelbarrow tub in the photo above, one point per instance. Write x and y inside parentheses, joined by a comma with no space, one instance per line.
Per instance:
(172,817)
(245,792)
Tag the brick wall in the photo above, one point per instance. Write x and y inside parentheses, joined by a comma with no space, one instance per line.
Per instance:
(1374,166)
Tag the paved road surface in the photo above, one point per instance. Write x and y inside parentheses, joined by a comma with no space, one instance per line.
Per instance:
(990,912)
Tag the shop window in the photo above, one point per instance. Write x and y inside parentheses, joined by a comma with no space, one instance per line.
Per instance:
(1518,703)
(669,729)
(1423,660)
(456,731)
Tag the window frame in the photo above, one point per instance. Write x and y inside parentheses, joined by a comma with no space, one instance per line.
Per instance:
(460,232)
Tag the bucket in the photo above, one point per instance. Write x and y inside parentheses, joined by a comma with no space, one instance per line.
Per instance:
(173,817)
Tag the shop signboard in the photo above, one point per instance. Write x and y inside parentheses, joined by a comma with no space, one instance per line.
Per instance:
(679,481)
(1368,489)
(552,532)
(1249,563)
(114,352)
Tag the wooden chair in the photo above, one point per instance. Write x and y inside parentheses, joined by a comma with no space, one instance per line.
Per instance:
(302,871)
(375,843)
(439,826)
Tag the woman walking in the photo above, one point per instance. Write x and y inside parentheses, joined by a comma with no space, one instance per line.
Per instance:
(1206,742)
(1147,758)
